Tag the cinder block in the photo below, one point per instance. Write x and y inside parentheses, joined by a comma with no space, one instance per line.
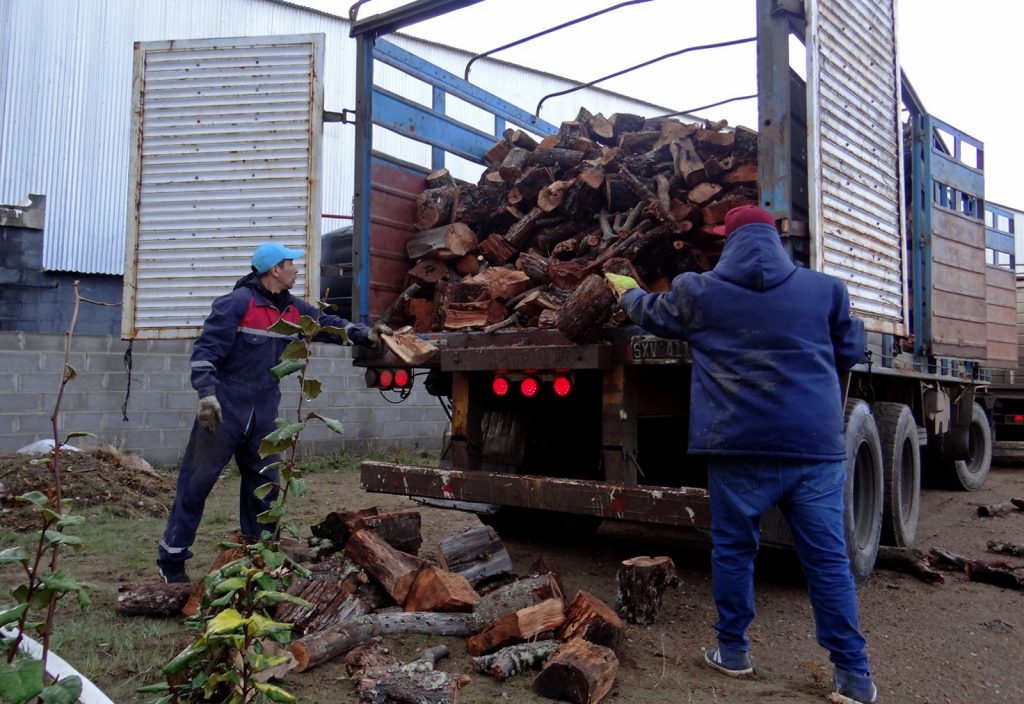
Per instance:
(20,361)
(14,441)
(15,342)
(20,403)
(168,419)
(94,343)
(47,342)
(165,381)
(35,423)
(178,401)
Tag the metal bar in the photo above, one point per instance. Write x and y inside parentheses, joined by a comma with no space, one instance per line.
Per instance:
(774,157)
(541,33)
(416,67)
(437,103)
(403,16)
(412,120)
(650,504)
(641,65)
(362,192)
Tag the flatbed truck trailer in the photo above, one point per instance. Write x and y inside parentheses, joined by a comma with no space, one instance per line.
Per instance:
(892,206)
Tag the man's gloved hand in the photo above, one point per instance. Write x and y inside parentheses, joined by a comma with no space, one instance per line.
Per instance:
(620,284)
(210,415)
(379,329)
(359,334)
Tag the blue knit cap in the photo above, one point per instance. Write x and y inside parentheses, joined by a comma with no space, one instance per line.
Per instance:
(270,253)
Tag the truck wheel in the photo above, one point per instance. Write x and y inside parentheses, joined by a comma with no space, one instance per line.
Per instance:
(970,474)
(863,495)
(901,472)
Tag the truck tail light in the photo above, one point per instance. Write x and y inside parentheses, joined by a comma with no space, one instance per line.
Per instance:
(385,379)
(500,386)
(388,379)
(529,387)
(402,378)
(562,386)
(1018,419)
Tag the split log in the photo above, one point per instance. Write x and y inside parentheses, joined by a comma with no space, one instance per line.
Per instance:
(623,122)
(356,596)
(515,659)
(703,194)
(152,599)
(500,284)
(911,561)
(642,582)
(410,348)
(468,265)
(555,158)
(999,509)
(530,183)
(476,554)
(744,144)
(996,546)
(442,591)
(580,671)
(412,290)
(478,204)
(430,271)
(316,648)
(401,529)
(514,164)
(444,242)
(468,316)
(689,165)
(521,139)
(517,627)
(1019,503)
(393,570)
(497,250)
(589,618)
(551,196)
(434,207)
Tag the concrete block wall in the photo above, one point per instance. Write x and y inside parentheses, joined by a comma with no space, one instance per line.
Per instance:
(162,404)
(33,300)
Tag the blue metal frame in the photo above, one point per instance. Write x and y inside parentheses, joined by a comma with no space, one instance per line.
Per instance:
(1001,240)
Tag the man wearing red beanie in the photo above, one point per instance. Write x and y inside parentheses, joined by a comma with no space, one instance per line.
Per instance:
(768,340)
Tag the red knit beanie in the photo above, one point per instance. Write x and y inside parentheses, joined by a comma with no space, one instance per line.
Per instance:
(743,215)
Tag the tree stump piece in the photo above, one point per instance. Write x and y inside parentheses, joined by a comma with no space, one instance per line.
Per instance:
(589,618)
(152,599)
(642,582)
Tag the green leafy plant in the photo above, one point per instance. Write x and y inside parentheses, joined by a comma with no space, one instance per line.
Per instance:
(24,678)
(238,645)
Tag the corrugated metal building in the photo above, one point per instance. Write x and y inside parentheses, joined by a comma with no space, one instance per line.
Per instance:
(65,105)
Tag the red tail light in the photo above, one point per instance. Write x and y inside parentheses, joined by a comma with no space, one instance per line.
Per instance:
(500,386)
(386,378)
(402,377)
(1018,419)
(529,387)
(562,386)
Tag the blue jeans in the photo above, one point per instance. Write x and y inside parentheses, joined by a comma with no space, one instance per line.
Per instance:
(810,496)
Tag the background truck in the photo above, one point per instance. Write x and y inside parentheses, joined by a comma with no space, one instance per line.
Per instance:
(892,205)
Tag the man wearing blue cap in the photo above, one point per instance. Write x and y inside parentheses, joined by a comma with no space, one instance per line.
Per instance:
(238,397)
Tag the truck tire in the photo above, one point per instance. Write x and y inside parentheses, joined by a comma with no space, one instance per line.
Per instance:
(863,494)
(970,474)
(901,473)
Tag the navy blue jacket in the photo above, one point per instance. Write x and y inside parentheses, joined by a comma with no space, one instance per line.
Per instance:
(768,340)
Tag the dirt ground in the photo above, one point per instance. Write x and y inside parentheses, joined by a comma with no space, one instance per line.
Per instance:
(960,642)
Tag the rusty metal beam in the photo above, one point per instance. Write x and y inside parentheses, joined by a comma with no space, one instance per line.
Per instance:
(649,504)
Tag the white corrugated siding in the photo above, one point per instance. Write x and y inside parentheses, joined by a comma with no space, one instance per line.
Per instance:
(65,108)
(858,198)
(228,145)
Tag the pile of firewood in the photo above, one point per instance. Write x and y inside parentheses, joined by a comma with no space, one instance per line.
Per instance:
(622,194)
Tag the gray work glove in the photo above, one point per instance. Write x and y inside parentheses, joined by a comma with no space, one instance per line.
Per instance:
(209,413)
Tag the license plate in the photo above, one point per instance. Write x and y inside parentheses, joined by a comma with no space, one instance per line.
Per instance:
(644,350)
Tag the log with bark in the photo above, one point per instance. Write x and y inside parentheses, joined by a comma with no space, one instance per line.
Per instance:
(642,582)
(999,509)
(589,618)
(517,627)
(477,554)
(416,682)
(1003,548)
(516,595)
(515,659)
(394,570)
(152,599)
(579,671)
(317,648)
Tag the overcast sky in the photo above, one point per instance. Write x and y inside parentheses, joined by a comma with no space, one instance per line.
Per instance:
(962,58)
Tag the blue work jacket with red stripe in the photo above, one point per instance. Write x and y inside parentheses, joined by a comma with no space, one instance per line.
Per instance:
(236,350)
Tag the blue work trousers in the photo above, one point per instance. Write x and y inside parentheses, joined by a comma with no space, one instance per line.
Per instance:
(239,434)
(810,496)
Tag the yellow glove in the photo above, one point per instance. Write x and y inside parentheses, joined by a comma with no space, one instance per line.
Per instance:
(620,284)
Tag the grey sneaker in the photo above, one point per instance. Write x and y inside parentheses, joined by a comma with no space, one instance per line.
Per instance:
(851,688)
(173,572)
(735,663)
